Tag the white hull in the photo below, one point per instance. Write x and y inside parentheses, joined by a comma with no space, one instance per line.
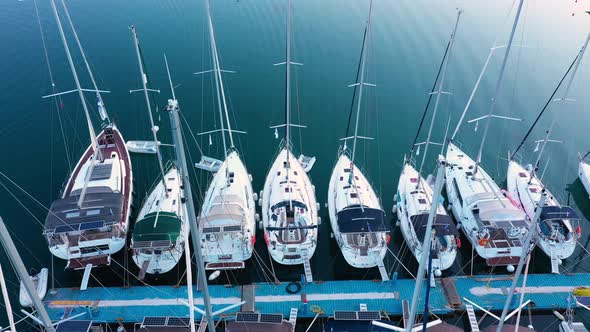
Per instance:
(360,250)
(289,247)
(411,202)
(584,174)
(553,242)
(228,217)
(493,223)
(162,259)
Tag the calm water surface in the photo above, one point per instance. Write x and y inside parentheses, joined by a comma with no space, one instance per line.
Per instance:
(405,47)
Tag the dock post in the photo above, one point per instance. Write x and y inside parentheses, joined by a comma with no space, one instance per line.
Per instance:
(19,266)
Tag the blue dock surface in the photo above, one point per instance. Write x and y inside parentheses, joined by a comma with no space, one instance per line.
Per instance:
(132,304)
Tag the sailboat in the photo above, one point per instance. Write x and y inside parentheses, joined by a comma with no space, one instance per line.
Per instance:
(159,235)
(558,235)
(490,219)
(289,207)
(90,220)
(228,215)
(414,197)
(356,216)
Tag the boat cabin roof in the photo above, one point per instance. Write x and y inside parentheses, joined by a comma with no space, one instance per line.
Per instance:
(443,225)
(557,212)
(167,227)
(490,207)
(294,203)
(223,214)
(357,219)
(101,207)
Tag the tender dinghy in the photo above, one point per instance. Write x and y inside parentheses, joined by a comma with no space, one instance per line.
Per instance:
(146,147)
(40,282)
(306,162)
(209,164)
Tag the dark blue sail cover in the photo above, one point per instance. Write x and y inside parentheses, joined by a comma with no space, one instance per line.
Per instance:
(557,212)
(443,225)
(355,219)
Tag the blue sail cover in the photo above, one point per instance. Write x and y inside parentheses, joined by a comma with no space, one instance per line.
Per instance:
(355,219)
(443,225)
(556,212)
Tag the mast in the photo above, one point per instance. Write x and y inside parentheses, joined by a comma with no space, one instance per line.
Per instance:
(7,302)
(219,83)
(187,255)
(145,89)
(101,108)
(549,100)
(429,100)
(545,140)
(288,88)
(426,245)
(361,83)
(530,245)
(19,266)
(173,108)
(578,60)
(91,131)
(498,85)
(439,93)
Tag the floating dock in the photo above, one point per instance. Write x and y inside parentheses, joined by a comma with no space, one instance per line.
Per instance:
(130,305)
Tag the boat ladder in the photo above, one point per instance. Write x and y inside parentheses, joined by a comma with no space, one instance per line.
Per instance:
(306,266)
(203,324)
(472,318)
(554,263)
(86,277)
(381,266)
(144,268)
(293,317)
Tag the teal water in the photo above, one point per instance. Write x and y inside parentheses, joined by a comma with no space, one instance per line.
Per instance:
(405,48)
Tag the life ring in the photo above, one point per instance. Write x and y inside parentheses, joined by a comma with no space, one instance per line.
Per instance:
(293,287)
(483,241)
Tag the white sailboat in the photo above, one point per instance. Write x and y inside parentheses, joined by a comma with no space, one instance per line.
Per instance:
(414,198)
(228,215)
(89,222)
(289,207)
(490,219)
(160,231)
(559,232)
(357,218)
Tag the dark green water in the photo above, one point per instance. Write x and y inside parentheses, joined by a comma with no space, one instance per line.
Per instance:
(405,48)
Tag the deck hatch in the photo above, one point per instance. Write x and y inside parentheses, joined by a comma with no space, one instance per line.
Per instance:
(101,172)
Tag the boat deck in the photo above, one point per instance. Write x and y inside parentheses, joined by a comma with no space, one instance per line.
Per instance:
(132,304)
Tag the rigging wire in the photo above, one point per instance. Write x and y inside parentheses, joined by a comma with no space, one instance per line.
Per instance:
(56,98)
(358,71)
(429,98)
(544,108)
